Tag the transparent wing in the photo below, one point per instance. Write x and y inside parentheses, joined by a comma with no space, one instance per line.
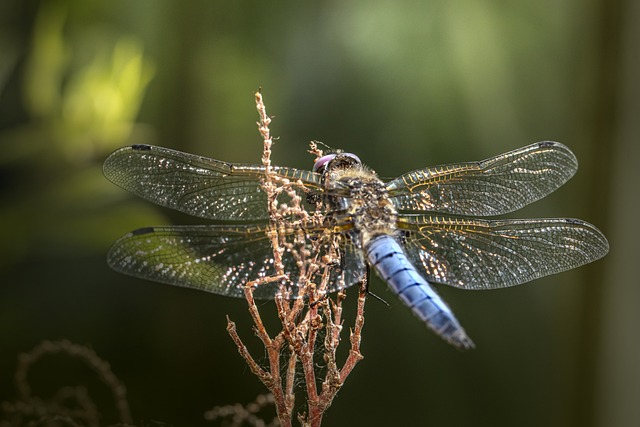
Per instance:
(483,254)
(197,185)
(223,259)
(491,187)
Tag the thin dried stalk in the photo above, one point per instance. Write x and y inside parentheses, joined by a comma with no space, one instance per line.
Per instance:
(242,415)
(69,405)
(303,318)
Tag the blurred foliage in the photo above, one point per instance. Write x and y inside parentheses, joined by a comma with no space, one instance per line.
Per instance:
(81,96)
(403,85)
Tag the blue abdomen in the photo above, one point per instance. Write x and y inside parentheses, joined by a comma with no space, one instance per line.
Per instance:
(388,258)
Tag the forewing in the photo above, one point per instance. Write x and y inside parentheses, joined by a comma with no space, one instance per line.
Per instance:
(197,185)
(482,254)
(223,259)
(491,187)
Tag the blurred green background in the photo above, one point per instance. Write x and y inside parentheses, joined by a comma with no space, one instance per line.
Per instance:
(404,85)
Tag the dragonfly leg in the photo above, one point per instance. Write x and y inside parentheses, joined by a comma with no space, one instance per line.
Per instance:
(319,300)
(366,280)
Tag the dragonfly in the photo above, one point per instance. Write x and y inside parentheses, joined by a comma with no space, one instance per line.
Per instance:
(425,227)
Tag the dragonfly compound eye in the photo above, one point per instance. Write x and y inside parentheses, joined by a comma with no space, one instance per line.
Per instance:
(322,162)
(336,161)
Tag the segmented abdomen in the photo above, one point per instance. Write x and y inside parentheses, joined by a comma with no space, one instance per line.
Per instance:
(388,258)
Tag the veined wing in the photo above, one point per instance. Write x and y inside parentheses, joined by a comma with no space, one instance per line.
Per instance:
(490,187)
(223,259)
(484,254)
(197,185)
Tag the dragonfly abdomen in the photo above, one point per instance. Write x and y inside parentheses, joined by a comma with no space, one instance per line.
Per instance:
(389,260)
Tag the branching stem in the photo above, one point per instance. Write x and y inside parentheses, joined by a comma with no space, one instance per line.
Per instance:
(302,318)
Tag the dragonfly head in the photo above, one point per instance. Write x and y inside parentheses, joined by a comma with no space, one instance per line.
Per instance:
(336,161)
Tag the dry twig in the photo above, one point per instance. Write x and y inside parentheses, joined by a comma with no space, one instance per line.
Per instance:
(308,317)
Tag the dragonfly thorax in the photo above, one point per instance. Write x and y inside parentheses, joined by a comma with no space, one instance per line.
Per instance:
(366,201)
